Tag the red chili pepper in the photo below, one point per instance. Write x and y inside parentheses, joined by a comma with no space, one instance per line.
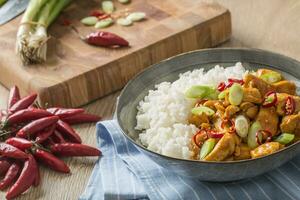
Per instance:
(81,118)
(25,179)
(228,85)
(37,179)
(51,161)
(13,97)
(10,176)
(96,13)
(36,126)
(68,131)
(23,103)
(45,134)
(26,115)
(221,87)
(105,39)
(228,123)
(265,133)
(65,112)
(4,165)
(48,142)
(58,138)
(214,134)
(290,105)
(233,80)
(199,133)
(19,143)
(73,149)
(10,151)
(104,16)
(270,99)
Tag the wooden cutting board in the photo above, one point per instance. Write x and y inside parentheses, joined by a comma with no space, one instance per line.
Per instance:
(76,73)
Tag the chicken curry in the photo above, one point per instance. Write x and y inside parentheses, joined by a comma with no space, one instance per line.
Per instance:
(244,119)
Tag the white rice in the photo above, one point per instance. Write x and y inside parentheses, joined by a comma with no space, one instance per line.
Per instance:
(163,115)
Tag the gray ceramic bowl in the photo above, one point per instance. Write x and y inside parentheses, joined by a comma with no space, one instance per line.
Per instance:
(169,70)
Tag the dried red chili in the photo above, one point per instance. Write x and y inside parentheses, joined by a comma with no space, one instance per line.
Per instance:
(221,86)
(27,115)
(13,97)
(270,99)
(290,105)
(214,134)
(96,13)
(74,149)
(105,39)
(228,123)
(81,118)
(25,179)
(265,134)
(104,16)
(200,132)
(10,176)
(23,103)
(233,80)
(36,126)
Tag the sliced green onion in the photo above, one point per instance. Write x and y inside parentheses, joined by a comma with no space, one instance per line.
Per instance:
(271,77)
(236,94)
(255,127)
(136,16)
(108,7)
(2,2)
(199,91)
(104,23)
(222,95)
(285,138)
(203,109)
(241,125)
(89,21)
(31,43)
(207,147)
(124,1)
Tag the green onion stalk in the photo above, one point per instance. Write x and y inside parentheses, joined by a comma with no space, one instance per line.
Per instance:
(32,35)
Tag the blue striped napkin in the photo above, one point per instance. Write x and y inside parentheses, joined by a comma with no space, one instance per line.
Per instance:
(125,173)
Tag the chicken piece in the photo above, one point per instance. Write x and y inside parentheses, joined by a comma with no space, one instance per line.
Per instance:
(223,149)
(211,104)
(255,82)
(197,120)
(252,95)
(231,110)
(268,119)
(285,87)
(244,152)
(291,124)
(249,109)
(281,100)
(265,149)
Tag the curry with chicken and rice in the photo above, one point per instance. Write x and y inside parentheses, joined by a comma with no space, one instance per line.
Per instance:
(244,119)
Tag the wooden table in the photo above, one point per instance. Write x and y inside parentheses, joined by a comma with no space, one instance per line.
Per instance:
(267,24)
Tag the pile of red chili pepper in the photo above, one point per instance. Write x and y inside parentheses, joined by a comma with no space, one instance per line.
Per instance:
(32,135)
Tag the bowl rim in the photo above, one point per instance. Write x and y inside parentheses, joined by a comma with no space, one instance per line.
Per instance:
(153,66)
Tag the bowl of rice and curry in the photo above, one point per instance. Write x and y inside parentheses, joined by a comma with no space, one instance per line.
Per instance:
(216,114)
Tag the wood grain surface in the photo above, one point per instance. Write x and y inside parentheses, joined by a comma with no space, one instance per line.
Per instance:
(268,24)
(77,73)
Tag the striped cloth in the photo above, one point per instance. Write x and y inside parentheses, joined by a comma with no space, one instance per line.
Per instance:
(125,173)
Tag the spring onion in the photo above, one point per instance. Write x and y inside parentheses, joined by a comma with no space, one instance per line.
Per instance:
(203,109)
(207,147)
(271,77)
(236,94)
(199,91)
(241,125)
(255,127)
(285,138)
(2,2)
(31,43)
